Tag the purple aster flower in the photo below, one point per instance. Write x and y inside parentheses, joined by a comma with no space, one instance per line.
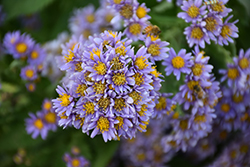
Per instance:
(37,55)
(228,31)
(219,8)
(196,35)
(36,125)
(178,63)
(141,10)
(193,11)
(243,61)
(50,119)
(18,45)
(29,73)
(78,161)
(157,48)
(31,87)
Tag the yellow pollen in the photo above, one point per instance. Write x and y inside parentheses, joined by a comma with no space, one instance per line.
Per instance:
(87,78)
(29,73)
(75,162)
(81,89)
(233,154)
(218,7)
(69,57)
(103,103)
(116,64)
(78,67)
(40,67)
(225,107)
(31,87)
(197,69)
(237,98)
(103,124)
(193,11)
(21,47)
(178,62)
(172,143)
(138,79)
(184,124)
(244,117)
(197,33)
(119,79)
(121,50)
(143,109)
(141,62)
(175,115)
(143,127)
(141,156)
(90,18)
(126,11)
(155,72)
(65,99)
(211,24)
(191,84)
(47,105)
(63,116)
(141,12)
(162,103)
(100,68)
(226,31)
(50,117)
(113,34)
(244,148)
(200,118)
(205,146)
(38,124)
(223,134)
(135,96)
(154,49)
(95,51)
(99,87)
(153,37)
(148,132)
(73,46)
(232,73)
(119,104)
(89,108)
(120,124)
(109,17)
(135,28)
(34,55)
(244,63)
(86,33)
(117,1)
(81,119)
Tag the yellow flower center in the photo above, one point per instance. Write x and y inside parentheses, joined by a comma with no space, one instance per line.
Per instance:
(78,66)
(126,11)
(65,99)
(100,68)
(69,57)
(233,154)
(155,72)
(226,31)
(81,89)
(113,34)
(237,98)
(116,64)
(119,79)
(141,12)
(184,124)
(153,37)
(38,124)
(90,18)
(86,33)
(244,148)
(223,134)
(143,126)
(197,33)
(178,62)
(135,96)
(225,107)
(21,47)
(200,118)
(117,1)
(34,55)
(211,23)
(232,73)
(191,84)
(103,103)
(244,63)
(81,119)
(120,124)
(135,28)
(193,11)
(197,69)
(218,7)
(176,115)
(47,105)
(31,87)
(121,50)
(141,62)
(141,157)
(73,46)
(103,124)
(143,109)
(50,117)
(99,87)
(154,49)
(109,17)
(95,51)
(119,104)
(162,103)
(205,147)
(29,73)
(75,162)
(138,79)
(89,108)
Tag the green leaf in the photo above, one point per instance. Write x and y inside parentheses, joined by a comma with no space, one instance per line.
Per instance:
(14,8)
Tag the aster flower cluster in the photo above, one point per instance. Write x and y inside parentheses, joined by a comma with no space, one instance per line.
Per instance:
(22,46)
(198,97)
(109,88)
(86,21)
(208,22)
(75,159)
(145,149)
(43,121)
